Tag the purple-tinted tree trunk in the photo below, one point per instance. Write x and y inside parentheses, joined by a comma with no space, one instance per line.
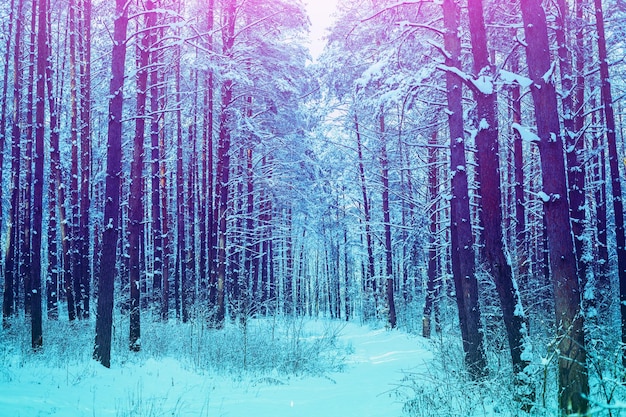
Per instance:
(104,314)
(572,368)
(461,237)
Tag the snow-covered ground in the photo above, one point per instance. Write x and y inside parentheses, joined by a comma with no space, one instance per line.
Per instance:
(375,362)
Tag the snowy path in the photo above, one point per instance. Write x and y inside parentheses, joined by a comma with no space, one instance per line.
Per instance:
(362,390)
(163,388)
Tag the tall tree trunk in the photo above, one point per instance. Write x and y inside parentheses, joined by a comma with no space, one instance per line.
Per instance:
(104,316)
(488,156)
(190,283)
(58,215)
(181,243)
(461,237)
(82,236)
(370,278)
(250,253)
(302,307)
(258,270)
(155,125)
(521,243)
(74,141)
(573,377)
(223,159)
(601,283)
(207,217)
(384,163)
(135,206)
(165,299)
(574,141)
(346,273)
(26,226)
(603,280)
(5,99)
(433,286)
(616,185)
(271,276)
(246,222)
(54,266)
(234,285)
(64,226)
(42,45)
(11,263)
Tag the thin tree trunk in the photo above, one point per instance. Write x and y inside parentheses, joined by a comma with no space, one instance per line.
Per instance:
(603,280)
(234,285)
(207,217)
(135,206)
(36,271)
(74,141)
(223,161)
(155,122)
(271,276)
(84,274)
(574,141)
(165,299)
(190,283)
(262,246)
(433,286)
(59,187)
(370,278)
(26,226)
(54,266)
(10,263)
(181,243)
(346,266)
(384,162)
(521,243)
(302,306)
(288,275)
(250,253)
(5,99)
(616,185)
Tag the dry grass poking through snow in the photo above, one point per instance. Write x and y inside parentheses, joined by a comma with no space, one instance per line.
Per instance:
(276,346)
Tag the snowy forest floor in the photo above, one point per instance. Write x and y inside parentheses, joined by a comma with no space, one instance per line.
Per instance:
(271,367)
(303,368)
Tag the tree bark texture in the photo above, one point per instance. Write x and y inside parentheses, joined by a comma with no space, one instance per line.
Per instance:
(104,315)
(488,156)
(572,372)
(40,109)
(461,237)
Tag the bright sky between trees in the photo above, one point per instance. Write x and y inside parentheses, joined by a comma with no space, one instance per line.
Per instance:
(320,13)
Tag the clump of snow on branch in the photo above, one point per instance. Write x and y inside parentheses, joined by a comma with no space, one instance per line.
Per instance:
(525,133)
(510,78)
